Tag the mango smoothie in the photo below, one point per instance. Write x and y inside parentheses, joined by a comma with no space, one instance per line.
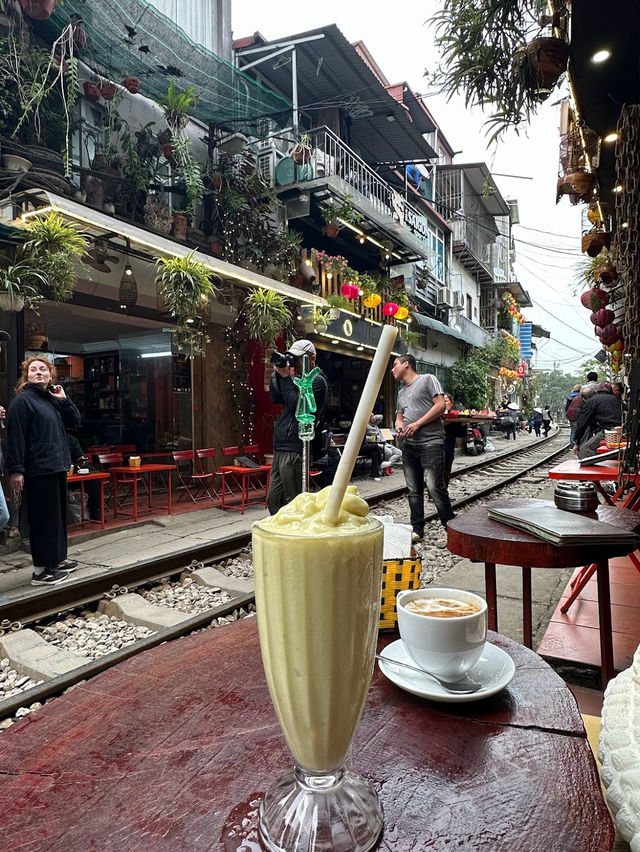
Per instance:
(318,604)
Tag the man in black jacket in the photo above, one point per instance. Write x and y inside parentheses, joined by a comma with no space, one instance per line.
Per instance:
(601,411)
(286,468)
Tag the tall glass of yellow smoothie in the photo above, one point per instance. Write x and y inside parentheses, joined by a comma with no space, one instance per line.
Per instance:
(318,604)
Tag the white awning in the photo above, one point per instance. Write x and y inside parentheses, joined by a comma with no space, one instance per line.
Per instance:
(40,202)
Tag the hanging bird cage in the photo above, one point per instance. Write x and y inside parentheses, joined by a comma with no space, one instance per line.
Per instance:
(596,228)
(579,149)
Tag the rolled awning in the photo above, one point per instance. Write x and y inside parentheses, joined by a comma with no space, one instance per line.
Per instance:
(429,322)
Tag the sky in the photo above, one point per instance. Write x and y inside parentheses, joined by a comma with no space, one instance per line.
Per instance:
(524,166)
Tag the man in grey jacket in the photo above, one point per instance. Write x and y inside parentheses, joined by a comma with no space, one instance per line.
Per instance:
(419,413)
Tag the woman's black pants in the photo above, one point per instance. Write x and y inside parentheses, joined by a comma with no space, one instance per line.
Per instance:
(46,501)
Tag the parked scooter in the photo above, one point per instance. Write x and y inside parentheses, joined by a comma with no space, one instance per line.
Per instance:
(475,441)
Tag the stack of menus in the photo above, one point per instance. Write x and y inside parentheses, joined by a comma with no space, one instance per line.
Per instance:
(543,519)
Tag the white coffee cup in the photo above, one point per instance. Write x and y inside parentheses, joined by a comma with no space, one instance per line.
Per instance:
(446,646)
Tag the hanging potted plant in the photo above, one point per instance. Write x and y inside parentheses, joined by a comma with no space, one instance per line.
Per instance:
(335,213)
(267,315)
(19,286)
(186,285)
(132,84)
(321,320)
(39,10)
(301,152)
(52,247)
(176,105)
(595,241)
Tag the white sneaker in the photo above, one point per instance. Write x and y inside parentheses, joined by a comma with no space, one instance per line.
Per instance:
(416,537)
(384,465)
(376,478)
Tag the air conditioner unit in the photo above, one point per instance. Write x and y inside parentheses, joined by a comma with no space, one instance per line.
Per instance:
(444,296)
(458,299)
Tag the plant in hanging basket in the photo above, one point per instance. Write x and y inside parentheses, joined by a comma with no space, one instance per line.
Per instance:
(185,284)
(267,315)
(91,90)
(546,61)
(595,241)
(582,183)
(132,84)
(301,152)
(334,213)
(39,10)
(108,90)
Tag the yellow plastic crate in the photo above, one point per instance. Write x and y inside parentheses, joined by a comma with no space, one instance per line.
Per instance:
(397,575)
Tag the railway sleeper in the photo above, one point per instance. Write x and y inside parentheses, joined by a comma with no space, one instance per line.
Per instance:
(30,654)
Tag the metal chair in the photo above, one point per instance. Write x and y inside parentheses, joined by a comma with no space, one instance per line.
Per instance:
(202,456)
(109,460)
(194,484)
(243,477)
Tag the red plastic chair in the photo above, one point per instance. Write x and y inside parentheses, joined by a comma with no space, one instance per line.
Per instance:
(194,484)
(109,460)
(244,477)
(94,452)
(202,456)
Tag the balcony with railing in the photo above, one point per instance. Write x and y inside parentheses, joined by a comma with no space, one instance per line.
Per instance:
(330,163)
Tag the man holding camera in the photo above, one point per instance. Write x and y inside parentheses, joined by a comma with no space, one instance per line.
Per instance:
(286,468)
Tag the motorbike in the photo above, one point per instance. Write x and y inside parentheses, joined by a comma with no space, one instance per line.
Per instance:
(475,441)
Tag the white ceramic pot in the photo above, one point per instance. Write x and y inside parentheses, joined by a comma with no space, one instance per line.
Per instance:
(14,163)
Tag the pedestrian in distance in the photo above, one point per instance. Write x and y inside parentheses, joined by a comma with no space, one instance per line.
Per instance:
(603,410)
(572,403)
(419,411)
(286,468)
(38,461)
(546,420)
(537,421)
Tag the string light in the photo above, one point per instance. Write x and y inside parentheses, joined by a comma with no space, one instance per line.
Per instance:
(241,394)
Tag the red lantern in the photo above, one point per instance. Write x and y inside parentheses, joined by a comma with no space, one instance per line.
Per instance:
(595,299)
(603,317)
(610,334)
(349,291)
(390,309)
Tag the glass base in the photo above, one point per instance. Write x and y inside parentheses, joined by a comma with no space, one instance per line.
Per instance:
(304,812)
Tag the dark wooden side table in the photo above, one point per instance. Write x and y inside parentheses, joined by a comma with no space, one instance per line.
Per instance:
(478,538)
(174,749)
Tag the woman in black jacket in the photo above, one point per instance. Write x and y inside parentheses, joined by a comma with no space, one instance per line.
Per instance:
(38,460)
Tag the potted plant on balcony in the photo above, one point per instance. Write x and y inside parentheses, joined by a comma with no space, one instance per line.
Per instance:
(336,303)
(321,320)
(267,315)
(301,152)
(176,105)
(334,214)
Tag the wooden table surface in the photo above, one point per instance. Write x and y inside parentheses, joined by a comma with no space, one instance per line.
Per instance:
(172,750)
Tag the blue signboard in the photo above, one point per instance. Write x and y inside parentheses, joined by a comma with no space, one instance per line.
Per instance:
(525,340)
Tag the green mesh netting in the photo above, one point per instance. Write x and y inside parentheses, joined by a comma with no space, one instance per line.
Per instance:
(130,38)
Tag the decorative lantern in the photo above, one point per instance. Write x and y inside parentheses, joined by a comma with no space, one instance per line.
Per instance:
(390,309)
(402,313)
(372,301)
(349,291)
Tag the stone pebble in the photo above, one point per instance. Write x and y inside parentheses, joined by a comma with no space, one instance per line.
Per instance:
(12,682)
(92,634)
(185,596)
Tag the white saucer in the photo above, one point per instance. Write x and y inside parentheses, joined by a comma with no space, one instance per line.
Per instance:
(494,670)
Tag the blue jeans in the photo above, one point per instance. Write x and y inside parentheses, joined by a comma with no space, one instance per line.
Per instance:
(4,511)
(420,462)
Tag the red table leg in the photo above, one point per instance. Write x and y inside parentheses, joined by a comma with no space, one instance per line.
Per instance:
(604,618)
(527,625)
(491,593)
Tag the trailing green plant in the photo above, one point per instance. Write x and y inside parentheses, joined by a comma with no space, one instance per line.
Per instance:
(176,105)
(483,56)
(186,285)
(321,317)
(333,212)
(21,283)
(589,270)
(368,284)
(38,90)
(52,248)
(410,338)
(336,301)
(287,245)
(267,315)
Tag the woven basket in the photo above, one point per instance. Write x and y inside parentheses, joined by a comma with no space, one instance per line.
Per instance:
(397,575)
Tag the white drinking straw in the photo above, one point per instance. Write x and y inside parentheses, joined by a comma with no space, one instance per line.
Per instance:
(359,425)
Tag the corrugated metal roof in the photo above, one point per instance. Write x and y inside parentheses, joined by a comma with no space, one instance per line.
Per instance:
(331,73)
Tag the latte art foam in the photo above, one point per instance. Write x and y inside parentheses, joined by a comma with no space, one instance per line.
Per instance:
(441,607)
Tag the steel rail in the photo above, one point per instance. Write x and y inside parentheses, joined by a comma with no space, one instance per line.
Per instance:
(149,570)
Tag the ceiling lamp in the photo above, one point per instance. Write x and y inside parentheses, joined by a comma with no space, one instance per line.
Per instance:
(128,293)
(611,137)
(601,56)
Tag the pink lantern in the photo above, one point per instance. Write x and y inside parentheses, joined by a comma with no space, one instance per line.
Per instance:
(349,291)
(610,334)
(602,317)
(390,309)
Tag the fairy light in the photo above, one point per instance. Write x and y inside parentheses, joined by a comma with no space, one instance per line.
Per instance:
(241,394)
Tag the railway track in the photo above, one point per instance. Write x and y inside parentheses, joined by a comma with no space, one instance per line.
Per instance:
(468,484)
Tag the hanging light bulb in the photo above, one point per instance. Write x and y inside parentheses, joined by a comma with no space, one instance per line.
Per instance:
(128,293)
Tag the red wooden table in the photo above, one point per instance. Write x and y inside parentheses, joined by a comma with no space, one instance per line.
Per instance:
(173,750)
(120,473)
(87,477)
(479,538)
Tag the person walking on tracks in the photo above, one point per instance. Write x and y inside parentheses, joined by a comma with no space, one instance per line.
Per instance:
(546,420)
(38,461)
(419,412)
